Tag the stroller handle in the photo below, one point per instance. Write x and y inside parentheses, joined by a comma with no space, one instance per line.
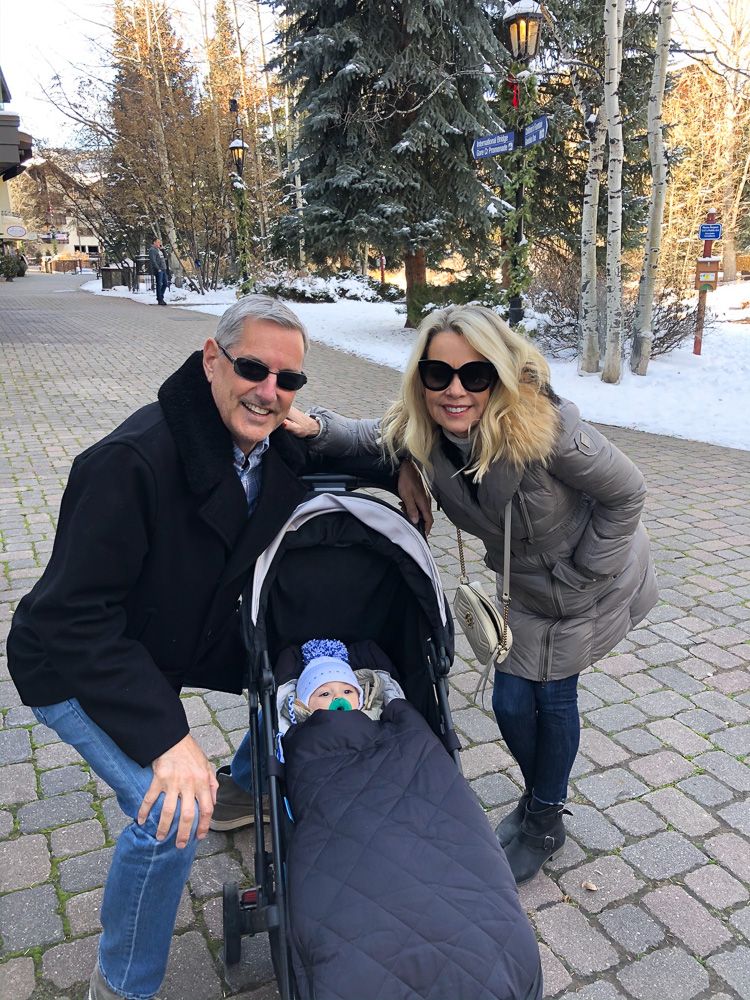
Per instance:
(344,475)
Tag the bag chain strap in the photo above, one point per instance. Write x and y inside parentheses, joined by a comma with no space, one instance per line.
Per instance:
(463,578)
(506,568)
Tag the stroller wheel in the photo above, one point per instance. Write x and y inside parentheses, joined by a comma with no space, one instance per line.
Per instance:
(232,924)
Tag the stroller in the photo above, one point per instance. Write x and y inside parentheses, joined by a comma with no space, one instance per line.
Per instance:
(384,879)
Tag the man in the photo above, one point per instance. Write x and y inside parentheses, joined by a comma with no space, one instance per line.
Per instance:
(159,528)
(159,269)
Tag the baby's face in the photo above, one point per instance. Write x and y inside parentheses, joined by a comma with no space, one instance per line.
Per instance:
(326,694)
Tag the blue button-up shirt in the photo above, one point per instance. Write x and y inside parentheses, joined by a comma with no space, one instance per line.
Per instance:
(250,472)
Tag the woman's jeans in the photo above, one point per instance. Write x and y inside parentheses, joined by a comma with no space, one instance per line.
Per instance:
(146,877)
(541,728)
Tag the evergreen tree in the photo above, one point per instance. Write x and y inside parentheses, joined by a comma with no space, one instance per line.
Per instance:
(390,97)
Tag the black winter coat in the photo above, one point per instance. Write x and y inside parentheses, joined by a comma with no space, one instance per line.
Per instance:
(152,551)
(398,888)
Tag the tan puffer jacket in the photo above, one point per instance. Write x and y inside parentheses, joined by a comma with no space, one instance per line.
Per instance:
(581,569)
(581,572)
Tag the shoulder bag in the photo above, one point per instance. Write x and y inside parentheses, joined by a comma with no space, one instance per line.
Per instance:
(486,629)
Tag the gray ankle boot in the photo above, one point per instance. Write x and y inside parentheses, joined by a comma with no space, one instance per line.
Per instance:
(511,824)
(540,836)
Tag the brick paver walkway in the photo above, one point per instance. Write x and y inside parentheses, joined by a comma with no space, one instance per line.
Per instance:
(661,822)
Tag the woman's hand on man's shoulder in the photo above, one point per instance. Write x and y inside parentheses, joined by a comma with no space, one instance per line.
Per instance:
(301,424)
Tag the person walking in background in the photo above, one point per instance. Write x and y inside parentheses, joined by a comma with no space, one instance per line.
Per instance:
(159,269)
(478,417)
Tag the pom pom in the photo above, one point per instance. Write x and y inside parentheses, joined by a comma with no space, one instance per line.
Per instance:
(324,647)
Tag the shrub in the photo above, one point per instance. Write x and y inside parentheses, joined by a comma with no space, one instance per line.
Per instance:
(314,288)
(673,320)
(553,304)
(9,267)
(474,290)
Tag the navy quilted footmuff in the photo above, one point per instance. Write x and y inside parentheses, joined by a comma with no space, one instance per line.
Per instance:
(397,885)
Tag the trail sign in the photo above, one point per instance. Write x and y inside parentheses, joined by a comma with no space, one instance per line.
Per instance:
(709,231)
(536,131)
(491,145)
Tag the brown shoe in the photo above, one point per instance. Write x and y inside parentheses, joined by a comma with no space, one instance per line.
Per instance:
(234,806)
(98,989)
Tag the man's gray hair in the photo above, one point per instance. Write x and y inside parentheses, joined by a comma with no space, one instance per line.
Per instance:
(256,307)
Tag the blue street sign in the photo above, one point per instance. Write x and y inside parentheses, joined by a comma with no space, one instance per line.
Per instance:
(536,131)
(710,231)
(491,145)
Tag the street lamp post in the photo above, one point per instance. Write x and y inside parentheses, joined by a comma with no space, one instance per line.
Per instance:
(237,147)
(522,21)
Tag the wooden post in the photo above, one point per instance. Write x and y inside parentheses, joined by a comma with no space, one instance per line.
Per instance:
(701,314)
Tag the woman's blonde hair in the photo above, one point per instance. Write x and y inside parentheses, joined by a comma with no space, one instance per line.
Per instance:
(509,429)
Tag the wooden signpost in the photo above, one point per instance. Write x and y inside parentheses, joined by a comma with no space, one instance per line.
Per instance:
(706,272)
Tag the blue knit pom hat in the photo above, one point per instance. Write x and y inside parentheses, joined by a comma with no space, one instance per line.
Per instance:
(325,660)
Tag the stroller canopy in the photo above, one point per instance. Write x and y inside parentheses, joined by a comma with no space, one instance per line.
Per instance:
(379,517)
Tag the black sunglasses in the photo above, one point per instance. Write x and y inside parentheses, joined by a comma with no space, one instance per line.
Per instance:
(256,371)
(475,376)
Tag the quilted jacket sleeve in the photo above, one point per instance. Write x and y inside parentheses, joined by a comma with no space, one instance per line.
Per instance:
(342,437)
(587,461)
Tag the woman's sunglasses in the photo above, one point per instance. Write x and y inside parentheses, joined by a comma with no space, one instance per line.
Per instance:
(476,376)
(256,371)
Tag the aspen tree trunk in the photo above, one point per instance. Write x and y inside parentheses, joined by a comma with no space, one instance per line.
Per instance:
(734,212)
(588,327)
(252,132)
(642,337)
(272,120)
(729,246)
(219,148)
(295,165)
(596,130)
(613,18)
(166,180)
(212,99)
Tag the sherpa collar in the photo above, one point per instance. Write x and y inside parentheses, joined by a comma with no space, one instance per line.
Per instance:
(202,440)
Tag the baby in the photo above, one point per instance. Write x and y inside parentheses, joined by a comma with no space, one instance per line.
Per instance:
(327,681)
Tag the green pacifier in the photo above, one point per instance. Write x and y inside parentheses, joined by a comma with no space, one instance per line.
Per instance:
(340,705)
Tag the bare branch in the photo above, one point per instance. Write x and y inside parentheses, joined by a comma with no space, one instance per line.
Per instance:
(696,53)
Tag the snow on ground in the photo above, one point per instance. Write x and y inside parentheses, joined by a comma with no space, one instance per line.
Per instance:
(699,397)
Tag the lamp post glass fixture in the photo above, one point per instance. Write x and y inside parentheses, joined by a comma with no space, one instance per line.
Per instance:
(523,23)
(237,149)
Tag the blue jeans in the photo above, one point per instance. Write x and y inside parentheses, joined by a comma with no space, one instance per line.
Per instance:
(241,767)
(541,728)
(146,877)
(162,280)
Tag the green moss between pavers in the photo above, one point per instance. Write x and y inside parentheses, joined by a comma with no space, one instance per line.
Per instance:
(96,805)
(35,952)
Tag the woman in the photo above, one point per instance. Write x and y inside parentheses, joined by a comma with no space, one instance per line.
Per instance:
(478,417)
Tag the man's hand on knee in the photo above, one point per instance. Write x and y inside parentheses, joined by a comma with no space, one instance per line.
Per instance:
(184,775)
